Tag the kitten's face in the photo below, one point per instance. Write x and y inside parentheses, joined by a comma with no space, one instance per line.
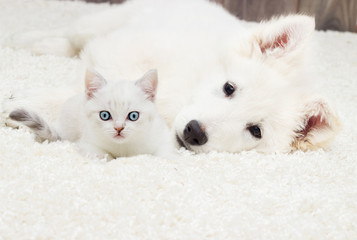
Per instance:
(119,111)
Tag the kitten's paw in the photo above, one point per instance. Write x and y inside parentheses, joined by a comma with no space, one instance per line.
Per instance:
(102,156)
(90,151)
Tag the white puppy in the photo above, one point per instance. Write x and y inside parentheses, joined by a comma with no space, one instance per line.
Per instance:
(222,86)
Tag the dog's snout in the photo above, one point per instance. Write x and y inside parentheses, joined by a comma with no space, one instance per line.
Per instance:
(194,134)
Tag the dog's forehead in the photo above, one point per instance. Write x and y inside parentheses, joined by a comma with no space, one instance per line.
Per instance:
(260,93)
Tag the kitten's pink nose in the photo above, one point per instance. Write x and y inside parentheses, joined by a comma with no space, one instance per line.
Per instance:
(118,129)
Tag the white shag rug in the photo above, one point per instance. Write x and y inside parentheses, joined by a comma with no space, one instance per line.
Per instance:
(49,191)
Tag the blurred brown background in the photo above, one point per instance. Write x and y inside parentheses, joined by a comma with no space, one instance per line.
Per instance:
(340,15)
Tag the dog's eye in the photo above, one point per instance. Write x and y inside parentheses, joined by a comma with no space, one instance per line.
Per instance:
(255,131)
(229,88)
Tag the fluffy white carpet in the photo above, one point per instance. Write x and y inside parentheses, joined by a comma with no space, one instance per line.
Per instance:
(49,191)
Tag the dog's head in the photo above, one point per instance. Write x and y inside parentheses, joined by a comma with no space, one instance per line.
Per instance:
(258,98)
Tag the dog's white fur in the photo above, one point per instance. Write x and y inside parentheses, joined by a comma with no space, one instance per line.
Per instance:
(197,47)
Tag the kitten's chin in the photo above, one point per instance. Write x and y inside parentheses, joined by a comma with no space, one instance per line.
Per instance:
(119,138)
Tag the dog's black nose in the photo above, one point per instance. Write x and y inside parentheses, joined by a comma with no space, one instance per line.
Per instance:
(193,134)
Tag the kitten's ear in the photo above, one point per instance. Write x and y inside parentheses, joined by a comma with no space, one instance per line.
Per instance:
(283,37)
(93,82)
(320,124)
(148,83)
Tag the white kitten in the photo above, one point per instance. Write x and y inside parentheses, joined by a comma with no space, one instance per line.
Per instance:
(111,118)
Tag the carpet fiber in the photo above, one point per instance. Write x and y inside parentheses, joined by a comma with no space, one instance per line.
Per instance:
(49,191)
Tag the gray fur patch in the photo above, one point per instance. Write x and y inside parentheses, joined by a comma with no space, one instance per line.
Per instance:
(30,120)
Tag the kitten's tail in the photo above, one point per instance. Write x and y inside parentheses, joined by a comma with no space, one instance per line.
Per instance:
(32,120)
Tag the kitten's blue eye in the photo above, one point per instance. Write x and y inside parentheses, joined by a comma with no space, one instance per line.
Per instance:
(133,116)
(104,115)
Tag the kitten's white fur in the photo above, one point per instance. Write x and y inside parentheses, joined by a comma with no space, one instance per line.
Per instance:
(80,120)
(197,47)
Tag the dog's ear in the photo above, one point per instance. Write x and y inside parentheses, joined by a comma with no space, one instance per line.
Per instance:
(283,37)
(319,124)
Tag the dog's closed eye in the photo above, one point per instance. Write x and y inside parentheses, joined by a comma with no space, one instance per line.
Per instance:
(255,131)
